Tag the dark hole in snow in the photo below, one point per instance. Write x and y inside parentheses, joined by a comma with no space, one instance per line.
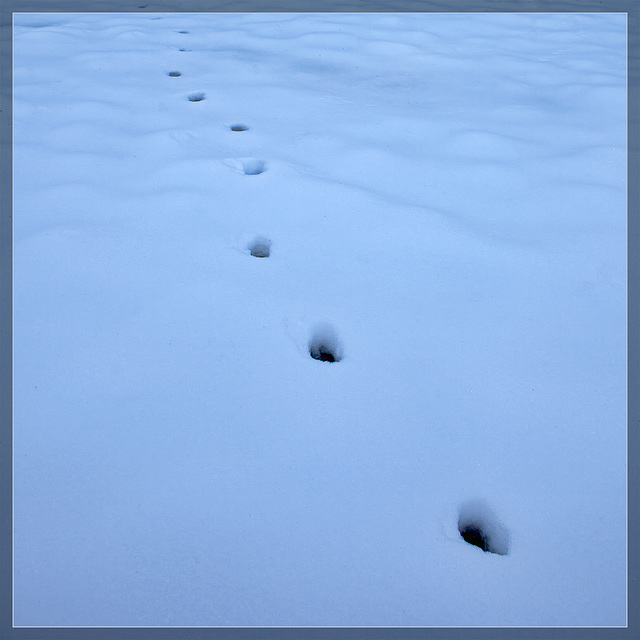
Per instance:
(239,127)
(260,248)
(323,354)
(184,49)
(183,32)
(174,74)
(325,345)
(196,97)
(478,525)
(474,536)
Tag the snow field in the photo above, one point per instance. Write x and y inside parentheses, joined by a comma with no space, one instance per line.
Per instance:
(443,203)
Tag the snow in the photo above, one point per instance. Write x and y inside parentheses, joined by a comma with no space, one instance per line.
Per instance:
(443,200)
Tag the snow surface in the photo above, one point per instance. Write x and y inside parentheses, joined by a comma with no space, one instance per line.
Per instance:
(443,199)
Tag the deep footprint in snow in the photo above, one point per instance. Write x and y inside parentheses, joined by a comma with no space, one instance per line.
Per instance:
(324,344)
(260,247)
(196,97)
(183,32)
(174,74)
(475,537)
(239,127)
(478,525)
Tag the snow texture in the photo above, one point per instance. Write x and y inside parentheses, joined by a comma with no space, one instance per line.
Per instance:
(442,197)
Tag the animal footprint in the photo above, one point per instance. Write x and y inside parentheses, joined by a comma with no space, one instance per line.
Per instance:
(324,344)
(478,525)
(260,247)
(253,166)
(248,166)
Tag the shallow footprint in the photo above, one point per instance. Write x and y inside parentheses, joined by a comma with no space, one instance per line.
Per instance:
(253,166)
(246,166)
(197,97)
(260,247)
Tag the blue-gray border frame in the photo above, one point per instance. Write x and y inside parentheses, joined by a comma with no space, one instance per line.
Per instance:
(8,7)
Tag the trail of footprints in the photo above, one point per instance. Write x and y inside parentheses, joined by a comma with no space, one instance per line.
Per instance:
(324,344)
(477,523)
